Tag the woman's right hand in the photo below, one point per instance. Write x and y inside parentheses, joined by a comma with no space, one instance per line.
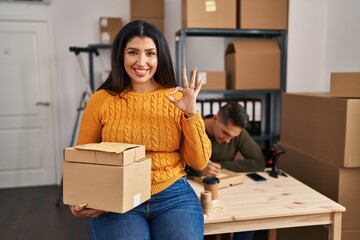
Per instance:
(81,211)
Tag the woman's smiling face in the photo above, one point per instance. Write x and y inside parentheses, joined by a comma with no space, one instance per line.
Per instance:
(141,60)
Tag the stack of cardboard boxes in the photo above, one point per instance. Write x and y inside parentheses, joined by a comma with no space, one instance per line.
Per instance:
(321,136)
(249,63)
(151,11)
(113,177)
(232,14)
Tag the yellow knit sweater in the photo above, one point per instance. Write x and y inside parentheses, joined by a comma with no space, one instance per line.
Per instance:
(149,119)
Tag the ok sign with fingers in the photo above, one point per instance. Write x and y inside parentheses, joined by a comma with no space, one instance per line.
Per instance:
(190,91)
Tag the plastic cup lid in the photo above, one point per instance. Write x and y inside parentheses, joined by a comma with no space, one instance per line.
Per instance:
(211,180)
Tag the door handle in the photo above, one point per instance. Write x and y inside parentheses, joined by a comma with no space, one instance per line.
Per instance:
(46,104)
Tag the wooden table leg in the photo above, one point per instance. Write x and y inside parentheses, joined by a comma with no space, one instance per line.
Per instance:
(272,234)
(335,228)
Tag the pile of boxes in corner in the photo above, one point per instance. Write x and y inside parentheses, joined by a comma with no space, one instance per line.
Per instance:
(114,177)
(320,133)
(250,63)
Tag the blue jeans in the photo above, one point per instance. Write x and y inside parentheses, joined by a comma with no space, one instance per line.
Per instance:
(175,213)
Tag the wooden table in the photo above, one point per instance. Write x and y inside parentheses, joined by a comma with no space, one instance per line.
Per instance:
(276,203)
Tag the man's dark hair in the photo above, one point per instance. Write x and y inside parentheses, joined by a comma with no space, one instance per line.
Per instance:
(234,113)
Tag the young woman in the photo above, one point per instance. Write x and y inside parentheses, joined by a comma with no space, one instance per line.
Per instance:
(139,103)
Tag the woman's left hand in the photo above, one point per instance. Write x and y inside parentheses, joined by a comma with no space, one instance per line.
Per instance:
(187,103)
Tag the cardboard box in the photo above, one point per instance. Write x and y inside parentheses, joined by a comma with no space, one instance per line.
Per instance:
(112,177)
(208,14)
(345,84)
(353,234)
(159,22)
(147,9)
(263,14)
(213,80)
(338,183)
(324,127)
(109,28)
(108,37)
(227,178)
(253,64)
(110,24)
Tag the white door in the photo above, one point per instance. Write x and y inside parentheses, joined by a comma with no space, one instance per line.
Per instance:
(27,155)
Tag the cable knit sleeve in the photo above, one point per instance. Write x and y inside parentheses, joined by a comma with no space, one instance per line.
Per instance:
(90,128)
(196,146)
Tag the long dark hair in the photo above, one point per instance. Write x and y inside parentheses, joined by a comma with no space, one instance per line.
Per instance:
(118,80)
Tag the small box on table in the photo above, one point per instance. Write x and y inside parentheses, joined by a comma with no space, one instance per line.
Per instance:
(227,178)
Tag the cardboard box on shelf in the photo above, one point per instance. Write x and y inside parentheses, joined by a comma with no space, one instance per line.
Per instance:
(323,126)
(262,14)
(112,177)
(159,22)
(337,183)
(110,23)
(147,9)
(107,37)
(109,28)
(208,14)
(345,84)
(212,80)
(253,64)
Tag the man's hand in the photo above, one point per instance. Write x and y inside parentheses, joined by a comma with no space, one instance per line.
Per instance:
(211,170)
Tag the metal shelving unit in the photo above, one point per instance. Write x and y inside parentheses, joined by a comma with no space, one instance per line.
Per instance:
(271,99)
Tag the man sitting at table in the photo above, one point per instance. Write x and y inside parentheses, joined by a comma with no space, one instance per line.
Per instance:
(228,136)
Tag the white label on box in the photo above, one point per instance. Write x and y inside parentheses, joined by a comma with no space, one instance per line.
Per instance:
(210,6)
(104,22)
(203,76)
(137,199)
(105,37)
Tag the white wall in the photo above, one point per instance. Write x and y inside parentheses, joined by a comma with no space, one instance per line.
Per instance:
(343,38)
(323,37)
(306,45)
